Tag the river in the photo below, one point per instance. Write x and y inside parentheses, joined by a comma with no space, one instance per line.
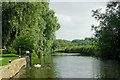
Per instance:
(72,67)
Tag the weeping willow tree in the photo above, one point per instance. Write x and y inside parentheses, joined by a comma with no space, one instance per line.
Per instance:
(33,19)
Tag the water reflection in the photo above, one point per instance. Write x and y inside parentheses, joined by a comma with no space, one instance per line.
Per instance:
(46,71)
(72,67)
(86,67)
(106,68)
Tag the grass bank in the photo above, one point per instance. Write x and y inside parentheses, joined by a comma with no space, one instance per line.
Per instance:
(84,50)
(7,57)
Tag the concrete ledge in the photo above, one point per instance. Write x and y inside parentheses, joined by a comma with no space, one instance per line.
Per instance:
(12,68)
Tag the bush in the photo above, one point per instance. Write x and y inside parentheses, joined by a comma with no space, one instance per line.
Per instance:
(9,55)
(4,51)
(10,49)
(97,51)
(34,57)
(23,43)
(60,50)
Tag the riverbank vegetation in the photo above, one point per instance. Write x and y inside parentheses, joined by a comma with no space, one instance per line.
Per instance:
(108,31)
(34,58)
(90,50)
(7,57)
(59,43)
(84,46)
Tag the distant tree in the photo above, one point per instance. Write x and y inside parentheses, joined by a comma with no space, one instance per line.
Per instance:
(58,43)
(78,42)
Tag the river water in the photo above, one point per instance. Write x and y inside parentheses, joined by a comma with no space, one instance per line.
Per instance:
(72,67)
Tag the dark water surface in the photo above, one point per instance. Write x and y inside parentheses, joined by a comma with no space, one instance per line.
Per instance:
(72,67)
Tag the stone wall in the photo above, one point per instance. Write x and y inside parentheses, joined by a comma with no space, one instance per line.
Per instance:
(12,68)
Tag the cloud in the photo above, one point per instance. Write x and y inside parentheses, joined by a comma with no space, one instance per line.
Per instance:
(76,18)
(63,18)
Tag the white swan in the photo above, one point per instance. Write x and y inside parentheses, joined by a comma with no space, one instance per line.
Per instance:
(37,66)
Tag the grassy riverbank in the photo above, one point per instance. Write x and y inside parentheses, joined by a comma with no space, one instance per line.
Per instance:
(84,50)
(7,57)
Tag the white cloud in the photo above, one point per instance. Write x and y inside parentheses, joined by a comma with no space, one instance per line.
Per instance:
(76,18)
(62,17)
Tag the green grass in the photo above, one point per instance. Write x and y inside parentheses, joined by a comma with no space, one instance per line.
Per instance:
(8,57)
(5,61)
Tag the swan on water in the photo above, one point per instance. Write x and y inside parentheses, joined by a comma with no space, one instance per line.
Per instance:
(37,66)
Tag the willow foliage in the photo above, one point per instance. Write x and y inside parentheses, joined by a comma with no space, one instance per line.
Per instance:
(33,19)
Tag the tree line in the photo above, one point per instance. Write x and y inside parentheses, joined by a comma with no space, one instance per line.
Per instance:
(59,43)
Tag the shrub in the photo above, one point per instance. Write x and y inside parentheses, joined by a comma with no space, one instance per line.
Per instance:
(23,43)
(10,49)
(60,50)
(4,51)
(34,57)
(9,55)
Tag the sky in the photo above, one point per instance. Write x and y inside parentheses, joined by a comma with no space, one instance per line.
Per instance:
(75,18)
